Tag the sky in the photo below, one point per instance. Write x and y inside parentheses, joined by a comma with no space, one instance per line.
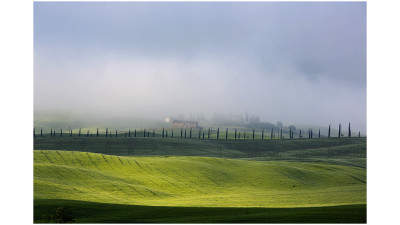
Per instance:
(295,62)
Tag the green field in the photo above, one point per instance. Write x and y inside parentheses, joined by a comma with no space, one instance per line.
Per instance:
(318,180)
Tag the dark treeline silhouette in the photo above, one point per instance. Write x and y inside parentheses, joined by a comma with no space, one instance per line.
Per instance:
(211,134)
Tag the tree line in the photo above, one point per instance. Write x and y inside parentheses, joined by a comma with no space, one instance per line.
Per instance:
(202,133)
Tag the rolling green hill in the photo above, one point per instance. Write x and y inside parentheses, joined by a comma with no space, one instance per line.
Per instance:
(194,181)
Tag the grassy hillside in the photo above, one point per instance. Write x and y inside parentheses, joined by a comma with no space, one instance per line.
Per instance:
(346,151)
(194,181)
(92,212)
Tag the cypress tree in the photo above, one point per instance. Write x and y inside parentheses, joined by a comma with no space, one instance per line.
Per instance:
(359,134)
(226,134)
(244,135)
(135,132)
(299,134)
(217,132)
(181,132)
(319,133)
(262,134)
(185,133)
(281,133)
(144,132)
(153,132)
(311,133)
(51,132)
(272,131)
(116,133)
(87,135)
(208,134)
(349,131)
(199,133)
(106,132)
(190,133)
(172,135)
(253,134)
(163,132)
(97,132)
(329,131)
(235,133)
(79,132)
(33,132)
(129,133)
(340,126)
(41,132)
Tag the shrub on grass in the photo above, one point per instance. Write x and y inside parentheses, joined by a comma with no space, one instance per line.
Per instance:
(60,215)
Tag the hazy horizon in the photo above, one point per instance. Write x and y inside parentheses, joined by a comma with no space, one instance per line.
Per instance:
(295,62)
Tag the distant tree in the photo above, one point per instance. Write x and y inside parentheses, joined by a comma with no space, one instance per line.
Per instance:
(41,132)
(61,133)
(340,126)
(290,133)
(253,134)
(235,133)
(239,134)
(217,132)
(299,134)
(359,134)
(319,133)
(163,132)
(190,133)
(208,134)
(244,135)
(144,132)
(281,133)
(97,132)
(172,133)
(226,134)
(135,133)
(51,132)
(349,131)
(129,133)
(272,132)
(79,132)
(329,131)
(185,133)
(116,133)
(262,134)
(106,132)
(87,135)
(199,133)
(181,132)
(33,132)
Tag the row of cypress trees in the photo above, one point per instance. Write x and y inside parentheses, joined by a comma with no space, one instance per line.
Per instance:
(201,133)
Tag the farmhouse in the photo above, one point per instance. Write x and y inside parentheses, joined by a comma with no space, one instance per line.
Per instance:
(184,123)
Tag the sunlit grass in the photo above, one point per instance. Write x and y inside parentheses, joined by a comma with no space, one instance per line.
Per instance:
(194,181)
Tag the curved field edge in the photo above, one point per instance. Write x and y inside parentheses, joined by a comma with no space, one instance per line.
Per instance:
(91,212)
(194,181)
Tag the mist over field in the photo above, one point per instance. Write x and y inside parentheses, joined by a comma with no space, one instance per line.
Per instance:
(299,63)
